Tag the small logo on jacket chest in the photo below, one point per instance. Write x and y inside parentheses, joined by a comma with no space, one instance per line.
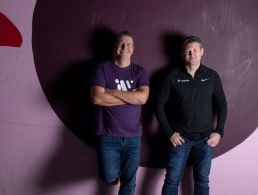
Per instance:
(204,79)
(182,80)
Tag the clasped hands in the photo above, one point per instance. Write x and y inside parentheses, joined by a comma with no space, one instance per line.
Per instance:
(177,140)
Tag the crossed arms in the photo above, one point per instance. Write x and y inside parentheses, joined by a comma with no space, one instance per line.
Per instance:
(113,97)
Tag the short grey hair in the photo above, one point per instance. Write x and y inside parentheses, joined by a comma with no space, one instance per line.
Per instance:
(192,39)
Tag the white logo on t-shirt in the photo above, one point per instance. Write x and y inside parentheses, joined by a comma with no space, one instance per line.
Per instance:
(123,85)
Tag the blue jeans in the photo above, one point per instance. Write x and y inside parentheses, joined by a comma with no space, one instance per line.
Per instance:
(200,155)
(118,159)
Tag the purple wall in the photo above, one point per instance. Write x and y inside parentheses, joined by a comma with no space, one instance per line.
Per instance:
(46,140)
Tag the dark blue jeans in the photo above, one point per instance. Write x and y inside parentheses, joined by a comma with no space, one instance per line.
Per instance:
(200,155)
(118,158)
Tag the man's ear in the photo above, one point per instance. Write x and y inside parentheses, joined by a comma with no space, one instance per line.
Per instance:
(202,51)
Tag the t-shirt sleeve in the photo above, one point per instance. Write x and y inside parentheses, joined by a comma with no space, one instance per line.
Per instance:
(143,78)
(98,77)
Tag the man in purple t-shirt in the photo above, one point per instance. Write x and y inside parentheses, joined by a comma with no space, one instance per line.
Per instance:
(118,90)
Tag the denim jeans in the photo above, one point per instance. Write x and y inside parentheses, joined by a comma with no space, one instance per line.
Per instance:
(118,159)
(200,155)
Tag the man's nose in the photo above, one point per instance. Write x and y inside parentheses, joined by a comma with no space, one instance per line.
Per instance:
(123,46)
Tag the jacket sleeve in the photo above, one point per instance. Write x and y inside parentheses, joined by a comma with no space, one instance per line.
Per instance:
(220,104)
(162,99)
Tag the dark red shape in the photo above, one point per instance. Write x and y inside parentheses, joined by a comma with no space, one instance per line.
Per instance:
(9,33)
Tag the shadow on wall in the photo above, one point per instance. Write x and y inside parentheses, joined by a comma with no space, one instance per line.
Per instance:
(69,94)
(154,142)
(71,90)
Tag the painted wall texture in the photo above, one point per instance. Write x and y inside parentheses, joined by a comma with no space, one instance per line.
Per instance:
(46,139)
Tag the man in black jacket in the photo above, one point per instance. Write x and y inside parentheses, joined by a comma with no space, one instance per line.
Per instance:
(186,105)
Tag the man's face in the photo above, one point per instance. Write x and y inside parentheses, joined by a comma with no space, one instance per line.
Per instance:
(125,47)
(193,53)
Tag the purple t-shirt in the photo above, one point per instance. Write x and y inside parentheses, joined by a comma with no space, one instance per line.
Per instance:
(121,120)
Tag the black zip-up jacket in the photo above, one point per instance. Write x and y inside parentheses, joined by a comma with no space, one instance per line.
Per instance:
(189,105)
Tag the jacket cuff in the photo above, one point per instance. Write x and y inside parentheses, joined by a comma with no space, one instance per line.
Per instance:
(219,131)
